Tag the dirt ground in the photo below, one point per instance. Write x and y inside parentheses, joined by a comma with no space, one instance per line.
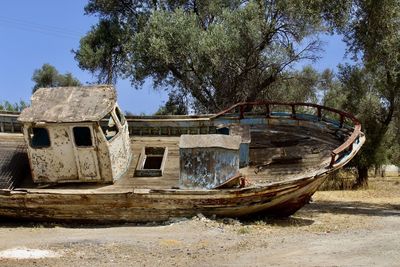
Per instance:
(339,228)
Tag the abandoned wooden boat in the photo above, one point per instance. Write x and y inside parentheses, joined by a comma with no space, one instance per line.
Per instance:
(79,159)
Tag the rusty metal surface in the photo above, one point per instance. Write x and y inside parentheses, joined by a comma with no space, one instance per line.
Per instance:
(70,104)
(208,161)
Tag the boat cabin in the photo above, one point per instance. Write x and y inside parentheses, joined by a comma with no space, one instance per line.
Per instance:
(76,134)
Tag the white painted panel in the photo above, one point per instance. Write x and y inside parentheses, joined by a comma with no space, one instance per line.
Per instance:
(54,163)
(86,157)
(87,160)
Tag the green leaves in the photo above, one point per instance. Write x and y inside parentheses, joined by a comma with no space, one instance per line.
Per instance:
(48,76)
(102,51)
(16,107)
(218,52)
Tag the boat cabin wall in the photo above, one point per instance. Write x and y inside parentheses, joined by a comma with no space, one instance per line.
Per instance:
(62,152)
(115,143)
(79,152)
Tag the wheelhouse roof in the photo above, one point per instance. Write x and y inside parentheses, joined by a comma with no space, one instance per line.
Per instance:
(70,104)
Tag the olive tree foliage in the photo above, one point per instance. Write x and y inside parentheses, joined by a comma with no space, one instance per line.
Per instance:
(175,105)
(102,50)
(372,88)
(296,86)
(214,52)
(357,94)
(16,107)
(48,76)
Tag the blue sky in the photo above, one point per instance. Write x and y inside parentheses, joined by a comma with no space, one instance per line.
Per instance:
(45,31)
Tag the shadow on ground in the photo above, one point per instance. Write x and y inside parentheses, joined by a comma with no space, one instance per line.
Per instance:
(353,208)
(332,207)
(15,223)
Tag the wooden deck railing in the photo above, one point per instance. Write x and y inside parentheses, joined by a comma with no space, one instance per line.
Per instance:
(293,107)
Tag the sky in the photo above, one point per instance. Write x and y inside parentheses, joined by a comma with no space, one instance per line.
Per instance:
(45,31)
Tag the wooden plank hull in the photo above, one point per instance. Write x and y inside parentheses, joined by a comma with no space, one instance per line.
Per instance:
(144,199)
(280,199)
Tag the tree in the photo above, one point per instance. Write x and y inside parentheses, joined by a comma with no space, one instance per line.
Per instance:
(216,52)
(394,142)
(374,88)
(16,107)
(102,50)
(357,95)
(295,86)
(48,76)
(175,105)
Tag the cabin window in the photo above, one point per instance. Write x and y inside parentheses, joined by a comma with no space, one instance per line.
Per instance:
(39,137)
(82,136)
(109,127)
(120,116)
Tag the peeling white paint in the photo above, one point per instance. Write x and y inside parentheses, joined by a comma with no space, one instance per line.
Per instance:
(64,161)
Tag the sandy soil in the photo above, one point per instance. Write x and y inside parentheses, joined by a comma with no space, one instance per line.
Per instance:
(339,228)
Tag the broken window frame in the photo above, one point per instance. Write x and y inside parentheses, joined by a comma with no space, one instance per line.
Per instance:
(121,118)
(116,123)
(30,135)
(91,136)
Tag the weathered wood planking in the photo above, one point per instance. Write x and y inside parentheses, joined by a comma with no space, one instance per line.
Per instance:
(156,205)
(281,189)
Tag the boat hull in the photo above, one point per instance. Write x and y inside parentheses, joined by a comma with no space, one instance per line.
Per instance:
(136,199)
(279,199)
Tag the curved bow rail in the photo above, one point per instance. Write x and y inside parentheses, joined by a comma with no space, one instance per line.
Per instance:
(344,149)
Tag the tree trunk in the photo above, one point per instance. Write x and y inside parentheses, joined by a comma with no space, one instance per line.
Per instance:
(362,179)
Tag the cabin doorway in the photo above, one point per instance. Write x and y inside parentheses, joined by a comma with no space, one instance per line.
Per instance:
(85,153)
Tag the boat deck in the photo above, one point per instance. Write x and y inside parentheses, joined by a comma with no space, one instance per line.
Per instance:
(277,153)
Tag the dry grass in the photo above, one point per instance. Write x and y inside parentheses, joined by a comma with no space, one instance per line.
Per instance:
(380,190)
(339,180)
(333,211)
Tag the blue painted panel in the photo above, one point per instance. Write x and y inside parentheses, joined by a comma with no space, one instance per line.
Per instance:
(307,117)
(281,114)
(244,155)
(253,121)
(206,168)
